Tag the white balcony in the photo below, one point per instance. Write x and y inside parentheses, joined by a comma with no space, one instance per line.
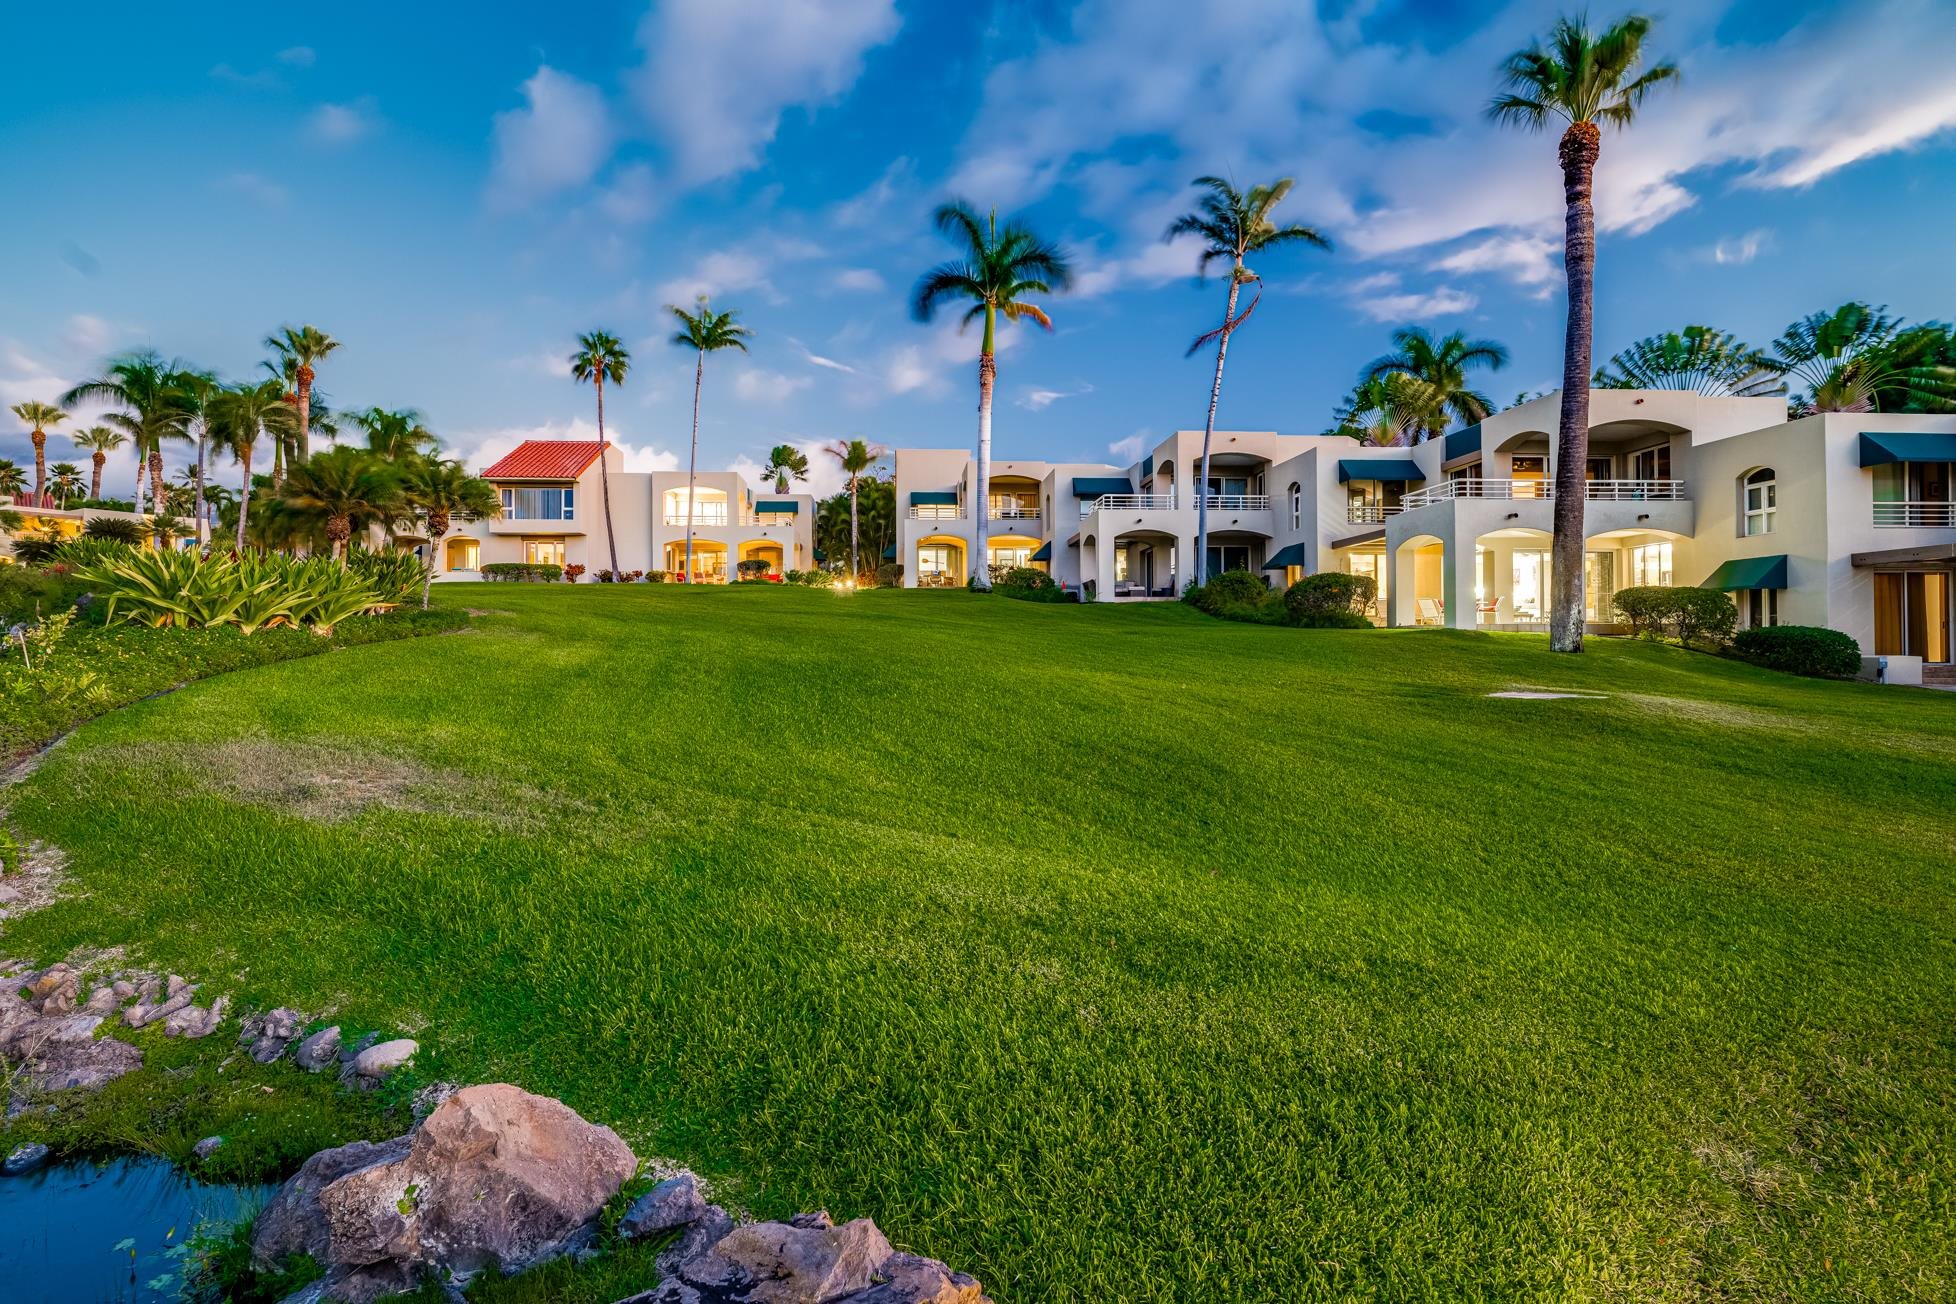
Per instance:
(714,516)
(1915,516)
(1238,502)
(1369,513)
(1611,491)
(936,512)
(1013,514)
(1128,503)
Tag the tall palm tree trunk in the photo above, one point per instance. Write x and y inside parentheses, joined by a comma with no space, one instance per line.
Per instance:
(437,527)
(604,477)
(203,508)
(97,461)
(244,492)
(1200,569)
(304,379)
(693,461)
(981,574)
(156,488)
(855,566)
(40,463)
(1580,145)
(339,530)
(138,444)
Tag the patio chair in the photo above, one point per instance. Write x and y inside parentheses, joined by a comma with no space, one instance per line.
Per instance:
(1431,612)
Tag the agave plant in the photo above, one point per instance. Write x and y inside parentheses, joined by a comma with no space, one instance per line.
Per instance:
(393,576)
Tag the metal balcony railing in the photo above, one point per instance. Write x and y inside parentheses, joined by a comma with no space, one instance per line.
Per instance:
(1915,515)
(1595,490)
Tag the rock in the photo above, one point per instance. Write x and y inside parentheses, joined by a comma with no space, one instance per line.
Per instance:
(24,1159)
(209,1146)
(124,990)
(780,1263)
(913,1279)
(271,1034)
(145,1012)
(429,1098)
(62,1053)
(376,1062)
(194,1021)
(700,1236)
(55,991)
(494,1179)
(101,1001)
(319,1050)
(349,1053)
(674,1202)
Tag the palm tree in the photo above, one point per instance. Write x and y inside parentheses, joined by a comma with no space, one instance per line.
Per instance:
(1231,225)
(1586,78)
(784,463)
(704,331)
(344,489)
(855,457)
(1441,366)
(600,357)
(13,480)
(65,482)
(38,417)
(243,413)
(1856,358)
(304,347)
(996,270)
(100,441)
(437,493)
(144,386)
(1388,410)
(1699,359)
(196,388)
(397,436)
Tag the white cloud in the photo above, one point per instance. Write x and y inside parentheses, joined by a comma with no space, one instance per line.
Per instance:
(630,198)
(930,367)
(262,191)
(1151,264)
(756,386)
(860,280)
(258,79)
(1528,260)
(817,360)
(1737,251)
(1441,302)
(480,448)
(297,56)
(1131,448)
(559,139)
(718,74)
(891,195)
(1038,400)
(342,124)
(908,371)
(88,334)
(554,363)
(725,271)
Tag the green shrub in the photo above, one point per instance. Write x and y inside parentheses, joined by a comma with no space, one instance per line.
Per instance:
(29,592)
(754,568)
(108,527)
(816,579)
(1330,600)
(1028,584)
(1231,588)
(1800,650)
(395,576)
(522,572)
(110,504)
(193,590)
(1688,615)
(36,548)
(889,575)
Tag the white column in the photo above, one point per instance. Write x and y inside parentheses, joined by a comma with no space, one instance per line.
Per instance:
(1460,566)
(1403,564)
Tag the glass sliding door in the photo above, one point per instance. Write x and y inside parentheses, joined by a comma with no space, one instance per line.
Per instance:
(1912,615)
(1599,586)
(1531,576)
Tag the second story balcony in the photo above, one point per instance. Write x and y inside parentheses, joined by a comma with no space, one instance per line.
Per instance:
(1370,513)
(1614,491)
(1915,516)
(1169,503)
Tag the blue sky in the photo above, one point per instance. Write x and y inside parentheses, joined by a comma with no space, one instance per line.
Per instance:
(455,191)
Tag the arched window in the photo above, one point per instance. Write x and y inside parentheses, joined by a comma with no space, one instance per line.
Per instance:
(1760,502)
(1296,505)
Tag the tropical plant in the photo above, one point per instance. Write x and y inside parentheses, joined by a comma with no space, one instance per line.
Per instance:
(1231,225)
(344,489)
(113,529)
(302,348)
(393,574)
(398,436)
(855,457)
(1440,367)
(65,482)
(1699,359)
(144,387)
(100,441)
(1859,359)
(437,493)
(37,417)
(785,462)
(195,390)
(241,415)
(13,480)
(600,357)
(996,270)
(1387,410)
(1589,80)
(704,331)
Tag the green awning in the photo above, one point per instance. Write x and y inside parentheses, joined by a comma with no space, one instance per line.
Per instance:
(1462,442)
(1394,469)
(1291,556)
(933,498)
(1880,449)
(788,507)
(889,553)
(1045,552)
(1749,573)
(1093,486)
(1147,466)
(820,555)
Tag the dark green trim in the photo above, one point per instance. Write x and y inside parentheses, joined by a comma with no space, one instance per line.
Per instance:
(1394,470)
(1749,573)
(1462,442)
(1288,556)
(1045,552)
(778,507)
(1878,449)
(1093,486)
(934,498)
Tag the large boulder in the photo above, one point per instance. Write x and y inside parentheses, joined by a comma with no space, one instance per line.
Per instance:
(494,1179)
(59,1052)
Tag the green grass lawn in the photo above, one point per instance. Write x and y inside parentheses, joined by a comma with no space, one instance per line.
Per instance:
(1108,953)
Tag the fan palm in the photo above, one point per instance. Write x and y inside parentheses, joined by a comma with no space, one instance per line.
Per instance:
(38,417)
(1699,359)
(100,441)
(996,270)
(397,436)
(13,480)
(785,462)
(1589,80)
(241,415)
(153,409)
(1441,366)
(855,457)
(304,348)
(344,489)
(600,357)
(704,331)
(436,493)
(1388,409)
(65,482)
(1859,359)
(1231,225)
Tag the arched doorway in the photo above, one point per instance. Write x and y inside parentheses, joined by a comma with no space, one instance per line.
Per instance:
(940,562)
(462,554)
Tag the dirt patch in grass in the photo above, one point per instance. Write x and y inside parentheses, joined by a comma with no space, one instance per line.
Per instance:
(328,783)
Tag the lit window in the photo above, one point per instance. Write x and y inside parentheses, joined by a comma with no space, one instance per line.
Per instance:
(543,552)
(539,504)
(1650,565)
(1761,502)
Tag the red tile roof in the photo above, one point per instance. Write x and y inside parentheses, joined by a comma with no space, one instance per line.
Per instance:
(547,459)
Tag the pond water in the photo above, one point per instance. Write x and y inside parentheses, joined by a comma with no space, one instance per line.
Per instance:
(107,1233)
